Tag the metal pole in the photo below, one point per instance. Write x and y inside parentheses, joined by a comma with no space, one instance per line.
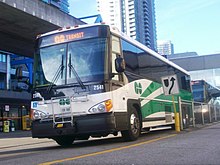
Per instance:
(215,112)
(177,119)
(203,122)
(210,116)
(218,113)
(8,72)
(181,115)
(193,115)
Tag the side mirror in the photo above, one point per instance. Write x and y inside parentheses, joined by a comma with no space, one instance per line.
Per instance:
(18,73)
(119,64)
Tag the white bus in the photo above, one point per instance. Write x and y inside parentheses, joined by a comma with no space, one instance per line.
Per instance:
(93,80)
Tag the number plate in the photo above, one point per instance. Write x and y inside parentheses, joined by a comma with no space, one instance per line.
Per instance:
(59,125)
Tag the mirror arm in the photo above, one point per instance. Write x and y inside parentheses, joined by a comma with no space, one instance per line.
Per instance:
(114,74)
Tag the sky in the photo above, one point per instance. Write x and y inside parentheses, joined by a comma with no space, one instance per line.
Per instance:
(191,25)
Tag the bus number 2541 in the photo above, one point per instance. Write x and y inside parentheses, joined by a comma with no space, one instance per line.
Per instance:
(98,87)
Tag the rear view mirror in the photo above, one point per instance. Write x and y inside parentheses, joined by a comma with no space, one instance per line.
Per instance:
(18,73)
(119,64)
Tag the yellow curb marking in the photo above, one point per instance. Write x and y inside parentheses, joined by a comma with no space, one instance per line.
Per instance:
(107,151)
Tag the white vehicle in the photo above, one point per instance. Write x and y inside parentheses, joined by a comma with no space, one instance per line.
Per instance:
(92,80)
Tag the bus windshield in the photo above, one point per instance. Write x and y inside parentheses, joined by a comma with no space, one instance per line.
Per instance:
(71,63)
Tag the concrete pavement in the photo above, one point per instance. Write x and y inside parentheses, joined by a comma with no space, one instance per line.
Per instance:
(22,138)
(18,138)
(15,134)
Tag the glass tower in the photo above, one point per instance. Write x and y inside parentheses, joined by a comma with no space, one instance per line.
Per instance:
(136,18)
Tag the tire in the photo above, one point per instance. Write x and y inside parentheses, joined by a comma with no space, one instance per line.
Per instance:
(134,128)
(65,140)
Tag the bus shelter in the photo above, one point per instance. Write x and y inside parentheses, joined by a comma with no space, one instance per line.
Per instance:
(206,102)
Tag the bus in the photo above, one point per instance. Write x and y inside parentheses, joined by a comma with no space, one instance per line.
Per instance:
(93,80)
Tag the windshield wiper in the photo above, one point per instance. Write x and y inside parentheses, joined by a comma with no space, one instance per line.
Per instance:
(71,68)
(57,74)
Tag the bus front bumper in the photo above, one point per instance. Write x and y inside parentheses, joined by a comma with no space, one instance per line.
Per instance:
(96,124)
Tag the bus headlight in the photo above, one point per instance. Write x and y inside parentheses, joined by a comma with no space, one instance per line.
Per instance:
(102,107)
(36,114)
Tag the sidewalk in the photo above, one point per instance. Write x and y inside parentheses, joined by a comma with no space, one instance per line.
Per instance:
(18,138)
(15,134)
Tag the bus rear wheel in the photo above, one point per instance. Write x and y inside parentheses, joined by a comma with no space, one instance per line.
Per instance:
(134,127)
(65,140)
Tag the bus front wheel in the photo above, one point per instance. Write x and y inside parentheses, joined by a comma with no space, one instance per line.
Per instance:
(65,140)
(133,131)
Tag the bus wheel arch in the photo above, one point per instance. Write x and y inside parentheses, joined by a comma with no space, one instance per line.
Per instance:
(134,122)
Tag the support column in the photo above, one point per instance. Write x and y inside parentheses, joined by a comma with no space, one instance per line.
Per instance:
(215,112)
(8,72)
(203,121)
(30,70)
(193,110)
(210,114)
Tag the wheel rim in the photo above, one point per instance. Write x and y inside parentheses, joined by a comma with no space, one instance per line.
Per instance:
(135,123)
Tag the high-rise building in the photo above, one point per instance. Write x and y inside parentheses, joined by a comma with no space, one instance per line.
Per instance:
(165,47)
(136,18)
(63,5)
(110,11)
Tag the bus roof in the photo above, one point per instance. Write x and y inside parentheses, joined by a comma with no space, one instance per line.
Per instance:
(115,31)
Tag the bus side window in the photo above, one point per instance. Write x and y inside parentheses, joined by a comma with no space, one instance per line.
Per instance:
(116,51)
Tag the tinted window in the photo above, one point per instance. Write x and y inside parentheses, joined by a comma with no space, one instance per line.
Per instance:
(131,60)
(144,65)
(152,67)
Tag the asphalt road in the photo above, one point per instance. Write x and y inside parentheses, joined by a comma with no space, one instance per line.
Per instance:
(197,146)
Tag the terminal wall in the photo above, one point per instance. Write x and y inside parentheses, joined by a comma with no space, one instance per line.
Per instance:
(22,20)
(44,11)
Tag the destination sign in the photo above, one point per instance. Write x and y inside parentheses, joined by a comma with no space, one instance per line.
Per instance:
(69,37)
(73,35)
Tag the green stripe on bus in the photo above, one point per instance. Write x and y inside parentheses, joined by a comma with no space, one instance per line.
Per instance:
(150,89)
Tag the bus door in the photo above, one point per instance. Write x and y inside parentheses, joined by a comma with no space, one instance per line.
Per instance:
(117,78)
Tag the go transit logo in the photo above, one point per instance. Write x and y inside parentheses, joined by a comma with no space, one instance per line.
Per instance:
(64,102)
(138,88)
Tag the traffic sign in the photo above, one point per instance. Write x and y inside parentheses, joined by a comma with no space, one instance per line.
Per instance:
(170,85)
(7,108)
